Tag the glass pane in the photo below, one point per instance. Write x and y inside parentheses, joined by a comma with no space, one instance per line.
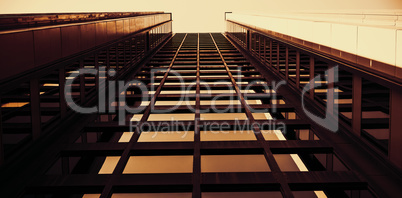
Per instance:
(167,136)
(227,135)
(234,163)
(159,164)
(223,116)
(169,117)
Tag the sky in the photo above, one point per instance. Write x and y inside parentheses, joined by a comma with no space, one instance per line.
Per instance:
(190,15)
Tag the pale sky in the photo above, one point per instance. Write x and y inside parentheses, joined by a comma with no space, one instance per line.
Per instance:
(190,15)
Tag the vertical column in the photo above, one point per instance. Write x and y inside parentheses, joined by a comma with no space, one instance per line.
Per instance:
(330,89)
(99,85)
(116,57)
(171,24)
(270,52)
(197,146)
(312,67)
(277,57)
(1,137)
(259,46)
(82,83)
(356,104)
(107,99)
(287,63)
(244,31)
(62,101)
(285,189)
(136,48)
(107,60)
(254,42)
(108,188)
(124,53)
(131,48)
(151,39)
(249,40)
(147,42)
(395,127)
(265,50)
(35,108)
(297,68)
(96,64)
(156,38)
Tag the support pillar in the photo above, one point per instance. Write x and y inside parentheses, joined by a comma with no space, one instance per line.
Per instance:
(287,63)
(356,104)
(297,68)
(35,109)
(62,84)
(395,128)
(312,73)
(1,138)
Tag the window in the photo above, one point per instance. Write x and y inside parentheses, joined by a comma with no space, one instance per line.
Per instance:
(241,194)
(167,136)
(234,163)
(220,102)
(159,164)
(166,117)
(174,103)
(227,135)
(223,116)
(169,117)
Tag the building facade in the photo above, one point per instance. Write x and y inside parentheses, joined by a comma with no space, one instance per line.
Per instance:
(118,105)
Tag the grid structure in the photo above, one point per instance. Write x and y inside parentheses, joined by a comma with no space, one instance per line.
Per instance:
(204,115)
(30,108)
(365,100)
(265,148)
(34,112)
(16,21)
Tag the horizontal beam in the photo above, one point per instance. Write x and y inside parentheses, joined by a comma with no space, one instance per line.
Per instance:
(160,148)
(313,180)
(115,126)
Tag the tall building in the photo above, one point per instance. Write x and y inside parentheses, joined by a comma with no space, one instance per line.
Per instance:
(117,105)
